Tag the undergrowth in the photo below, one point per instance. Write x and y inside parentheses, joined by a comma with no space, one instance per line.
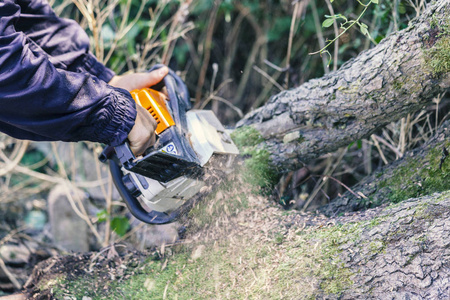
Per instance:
(420,177)
(261,261)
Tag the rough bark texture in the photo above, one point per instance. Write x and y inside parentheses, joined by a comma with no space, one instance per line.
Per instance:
(402,254)
(420,172)
(379,86)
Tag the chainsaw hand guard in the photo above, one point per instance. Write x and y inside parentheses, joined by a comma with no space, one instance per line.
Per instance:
(133,204)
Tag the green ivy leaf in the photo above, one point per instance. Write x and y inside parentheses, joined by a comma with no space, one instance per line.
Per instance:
(102,216)
(327,23)
(340,16)
(374,1)
(120,225)
(359,144)
(364,29)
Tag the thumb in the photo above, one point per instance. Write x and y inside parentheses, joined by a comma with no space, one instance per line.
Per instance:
(145,80)
(139,80)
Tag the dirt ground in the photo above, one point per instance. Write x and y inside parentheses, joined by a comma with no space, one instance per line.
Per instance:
(120,262)
(256,249)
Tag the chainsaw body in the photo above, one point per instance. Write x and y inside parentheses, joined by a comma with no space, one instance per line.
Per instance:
(156,185)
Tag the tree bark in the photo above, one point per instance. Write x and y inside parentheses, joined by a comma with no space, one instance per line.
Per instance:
(402,253)
(379,86)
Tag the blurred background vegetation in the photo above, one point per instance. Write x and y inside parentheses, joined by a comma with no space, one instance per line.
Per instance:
(233,55)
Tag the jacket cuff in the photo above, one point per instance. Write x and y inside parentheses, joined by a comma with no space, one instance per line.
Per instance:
(89,63)
(123,118)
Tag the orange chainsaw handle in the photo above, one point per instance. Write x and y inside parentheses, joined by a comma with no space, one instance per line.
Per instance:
(155,103)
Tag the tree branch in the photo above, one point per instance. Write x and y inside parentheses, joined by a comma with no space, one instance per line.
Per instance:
(379,86)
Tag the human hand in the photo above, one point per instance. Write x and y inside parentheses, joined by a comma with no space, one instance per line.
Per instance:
(142,135)
(135,81)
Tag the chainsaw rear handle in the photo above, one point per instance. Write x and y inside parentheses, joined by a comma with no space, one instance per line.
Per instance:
(177,91)
(178,105)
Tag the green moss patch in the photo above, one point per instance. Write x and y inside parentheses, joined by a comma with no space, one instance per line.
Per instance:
(258,170)
(419,177)
(246,136)
(438,56)
(324,262)
(437,51)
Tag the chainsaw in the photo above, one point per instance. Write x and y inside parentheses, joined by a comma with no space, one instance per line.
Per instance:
(158,185)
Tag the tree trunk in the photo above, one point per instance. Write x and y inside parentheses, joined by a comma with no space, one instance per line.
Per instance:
(402,253)
(399,76)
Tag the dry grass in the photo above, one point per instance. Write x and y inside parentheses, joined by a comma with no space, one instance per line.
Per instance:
(64,164)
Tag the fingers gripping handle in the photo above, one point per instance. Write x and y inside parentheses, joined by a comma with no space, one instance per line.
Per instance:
(166,113)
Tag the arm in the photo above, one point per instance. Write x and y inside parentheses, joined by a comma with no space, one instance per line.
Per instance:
(64,40)
(41,102)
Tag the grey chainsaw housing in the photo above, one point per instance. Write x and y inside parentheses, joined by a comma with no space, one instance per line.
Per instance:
(158,184)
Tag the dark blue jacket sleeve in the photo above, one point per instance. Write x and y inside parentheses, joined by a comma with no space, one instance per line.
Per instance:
(39,101)
(64,40)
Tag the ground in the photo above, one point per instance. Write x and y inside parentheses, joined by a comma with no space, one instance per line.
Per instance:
(240,245)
